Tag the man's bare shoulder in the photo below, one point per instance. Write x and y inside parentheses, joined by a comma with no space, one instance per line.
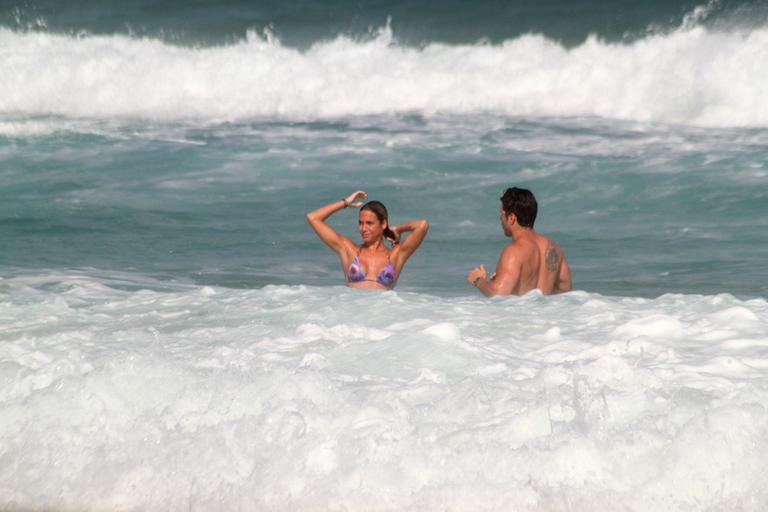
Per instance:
(519,249)
(516,247)
(550,244)
(553,254)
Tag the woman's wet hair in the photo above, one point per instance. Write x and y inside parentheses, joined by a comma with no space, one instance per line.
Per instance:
(522,203)
(378,209)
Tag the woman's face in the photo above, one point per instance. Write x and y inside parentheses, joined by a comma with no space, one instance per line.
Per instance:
(369,226)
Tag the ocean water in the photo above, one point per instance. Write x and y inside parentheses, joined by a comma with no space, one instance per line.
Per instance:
(173,335)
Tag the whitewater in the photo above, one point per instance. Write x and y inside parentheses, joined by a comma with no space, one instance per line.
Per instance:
(296,398)
(692,75)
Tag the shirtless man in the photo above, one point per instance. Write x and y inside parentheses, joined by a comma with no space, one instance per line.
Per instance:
(530,261)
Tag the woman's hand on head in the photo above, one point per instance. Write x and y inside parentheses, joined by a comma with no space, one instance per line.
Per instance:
(396,232)
(351,202)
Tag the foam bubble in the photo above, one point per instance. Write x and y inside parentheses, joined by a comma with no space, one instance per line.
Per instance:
(734,314)
(445,331)
(655,325)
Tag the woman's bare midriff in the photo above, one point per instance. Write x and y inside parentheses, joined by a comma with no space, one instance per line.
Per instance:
(370,285)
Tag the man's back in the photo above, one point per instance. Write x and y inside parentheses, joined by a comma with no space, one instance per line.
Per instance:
(537,262)
(554,273)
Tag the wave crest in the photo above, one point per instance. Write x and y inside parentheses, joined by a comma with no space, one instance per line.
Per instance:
(693,75)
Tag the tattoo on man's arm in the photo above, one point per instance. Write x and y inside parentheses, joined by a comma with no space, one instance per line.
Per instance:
(552,259)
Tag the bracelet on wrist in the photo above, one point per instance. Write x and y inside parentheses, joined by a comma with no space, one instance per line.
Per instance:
(345,203)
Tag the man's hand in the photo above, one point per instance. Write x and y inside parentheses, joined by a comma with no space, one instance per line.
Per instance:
(475,274)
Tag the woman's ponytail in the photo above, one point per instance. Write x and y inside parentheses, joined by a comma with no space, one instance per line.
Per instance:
(390,235)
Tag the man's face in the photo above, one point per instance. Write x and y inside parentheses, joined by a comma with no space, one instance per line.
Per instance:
(505,222)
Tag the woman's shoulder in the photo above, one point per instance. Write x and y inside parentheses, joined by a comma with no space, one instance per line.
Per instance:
(394,255)
(350,247)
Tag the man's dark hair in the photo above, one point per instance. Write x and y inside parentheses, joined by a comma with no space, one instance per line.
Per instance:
(521,202)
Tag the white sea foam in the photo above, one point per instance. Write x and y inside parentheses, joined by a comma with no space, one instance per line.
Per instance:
(692,76)
(289,398)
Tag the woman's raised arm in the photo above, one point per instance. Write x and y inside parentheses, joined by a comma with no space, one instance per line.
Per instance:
(418,230)
(326,233)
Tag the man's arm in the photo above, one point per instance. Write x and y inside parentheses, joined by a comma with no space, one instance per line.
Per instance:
(506,278)
(564,281)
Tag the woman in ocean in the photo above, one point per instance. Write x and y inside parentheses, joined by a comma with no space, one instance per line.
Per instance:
(370,264)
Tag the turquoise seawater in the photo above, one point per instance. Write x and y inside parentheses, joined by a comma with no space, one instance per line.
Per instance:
(640,210)
(304,22)
(187,142)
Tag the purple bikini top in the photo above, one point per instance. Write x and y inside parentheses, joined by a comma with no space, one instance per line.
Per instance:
(386,277)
